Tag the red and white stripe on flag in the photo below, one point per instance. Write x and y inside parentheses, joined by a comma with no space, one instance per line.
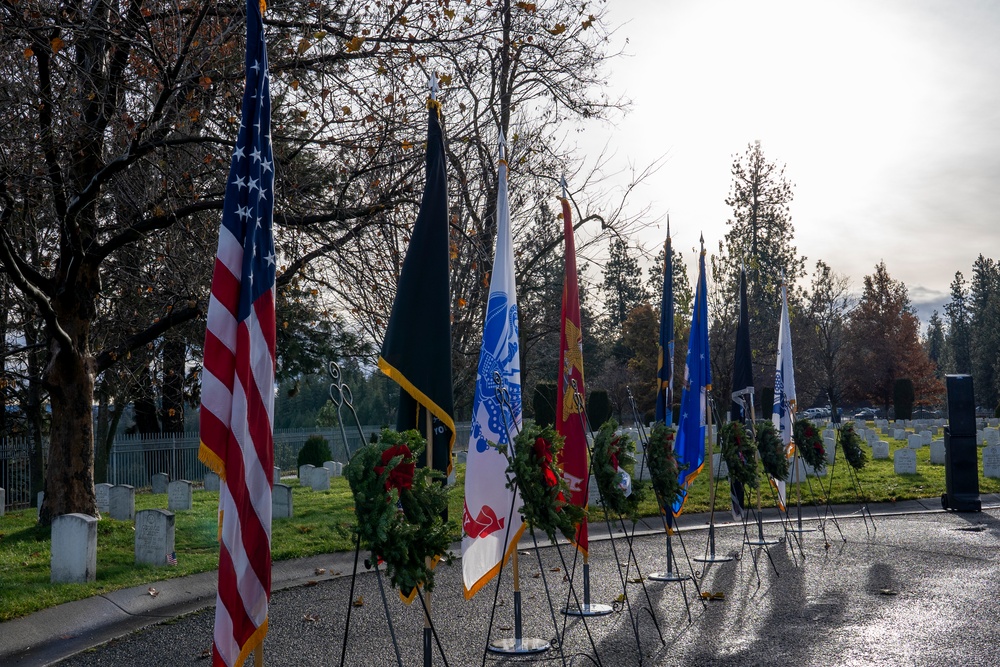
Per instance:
(238,380)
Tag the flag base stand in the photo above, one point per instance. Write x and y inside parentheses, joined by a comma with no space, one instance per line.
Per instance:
(522,646)
(762,542)
(518,644)
(800,529)
(669,576)
(587,608)
(595,609)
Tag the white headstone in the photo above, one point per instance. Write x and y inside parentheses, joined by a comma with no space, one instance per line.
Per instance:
(992,436)
(937,452)
(74,549)
(212,481)
(159,482)
(41,499)
(980,438)
(593,493)
(330,465)
(719,468)
(991,461)
(338,467)
(899,434)
(3,501)
(880,449)
(281,501)
(830,445)
(925,437)
(904,461)
(122,502)
(914,441)
(305,472)
(277,475)
(154,536)
(103,493)
(802,470)
(320,479)
(179,495)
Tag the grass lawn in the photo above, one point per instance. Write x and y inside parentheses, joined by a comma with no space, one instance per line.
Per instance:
(322,522)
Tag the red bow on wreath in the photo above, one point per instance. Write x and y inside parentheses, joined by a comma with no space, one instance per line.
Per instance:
(613,451)
(400,477)
(543,450)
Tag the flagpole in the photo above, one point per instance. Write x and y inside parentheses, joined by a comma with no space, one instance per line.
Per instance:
(713,481)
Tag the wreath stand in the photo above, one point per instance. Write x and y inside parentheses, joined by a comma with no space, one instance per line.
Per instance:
(669,526)
(518,644)
(859,493)
(829,512)
(760,541)
(799,528)
(624,578)
(713,483)
(341,396)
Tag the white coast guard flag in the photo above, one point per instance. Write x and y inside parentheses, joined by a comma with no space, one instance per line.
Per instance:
(783,411)
(491,521)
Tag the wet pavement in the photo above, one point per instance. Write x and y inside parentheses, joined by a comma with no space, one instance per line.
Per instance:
(917,590)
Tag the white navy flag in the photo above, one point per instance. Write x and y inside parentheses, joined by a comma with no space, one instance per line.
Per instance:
(783,410)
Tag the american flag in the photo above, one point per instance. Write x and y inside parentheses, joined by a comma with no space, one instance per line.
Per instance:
(238,379)
(172,558)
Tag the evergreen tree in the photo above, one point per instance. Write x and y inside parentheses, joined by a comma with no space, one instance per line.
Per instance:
(959,337)
(934,343)
(623,287)
(759,236)
(984,298)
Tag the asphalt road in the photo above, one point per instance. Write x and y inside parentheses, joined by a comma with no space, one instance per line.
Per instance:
(919,590)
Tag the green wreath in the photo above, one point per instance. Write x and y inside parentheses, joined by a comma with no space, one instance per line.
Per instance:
(772,450)
(809,443)
(664,472)
(543,489)
(613,460)
(850,441)
(738,452)
(399,508)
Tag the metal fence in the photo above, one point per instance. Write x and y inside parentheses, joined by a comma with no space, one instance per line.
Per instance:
(15,472)
(135,458)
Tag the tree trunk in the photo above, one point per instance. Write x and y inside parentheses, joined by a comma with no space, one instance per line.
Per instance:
(71,444)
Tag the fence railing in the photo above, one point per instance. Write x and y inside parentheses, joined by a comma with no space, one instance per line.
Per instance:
(134,458)
(15,472)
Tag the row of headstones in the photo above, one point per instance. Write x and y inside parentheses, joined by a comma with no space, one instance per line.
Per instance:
(318,479)
(74,544)
(74,536)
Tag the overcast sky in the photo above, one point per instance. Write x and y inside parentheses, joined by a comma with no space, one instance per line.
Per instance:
(886,113)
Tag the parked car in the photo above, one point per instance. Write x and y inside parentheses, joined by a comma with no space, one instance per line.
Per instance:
(866,414)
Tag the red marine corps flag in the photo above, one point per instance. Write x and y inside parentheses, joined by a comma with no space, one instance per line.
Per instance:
(569,417)
(237,395)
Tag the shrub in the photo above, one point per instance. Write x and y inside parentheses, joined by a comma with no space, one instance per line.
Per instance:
(316,451)
(544,403)
(598,407)
(902,398)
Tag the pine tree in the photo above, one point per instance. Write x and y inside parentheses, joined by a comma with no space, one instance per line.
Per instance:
(934,343)
(984,300)
(759,236)
(623,287)
(959,337)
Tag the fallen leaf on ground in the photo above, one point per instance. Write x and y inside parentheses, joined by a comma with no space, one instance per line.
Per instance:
(309,618)
(320,570)
(152,592)
(359,602)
